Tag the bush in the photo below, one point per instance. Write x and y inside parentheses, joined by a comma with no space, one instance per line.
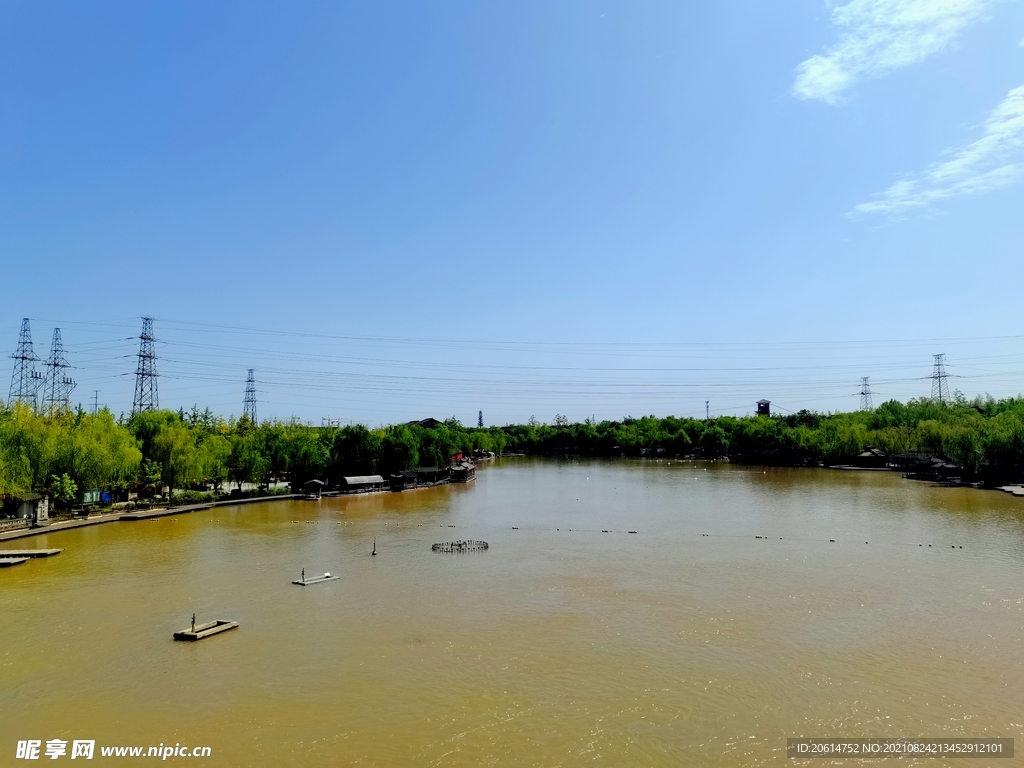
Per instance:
(191,497)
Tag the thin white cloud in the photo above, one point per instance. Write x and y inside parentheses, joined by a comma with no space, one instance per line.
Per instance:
(994,161)
(880,36)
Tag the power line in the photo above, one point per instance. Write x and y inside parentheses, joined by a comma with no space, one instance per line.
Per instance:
(302,375)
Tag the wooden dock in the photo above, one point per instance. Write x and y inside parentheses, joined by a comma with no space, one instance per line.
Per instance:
(149,514)
(29,552)
(203,631)
(7,562)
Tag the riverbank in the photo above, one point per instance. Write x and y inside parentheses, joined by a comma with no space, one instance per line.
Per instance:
(121,516)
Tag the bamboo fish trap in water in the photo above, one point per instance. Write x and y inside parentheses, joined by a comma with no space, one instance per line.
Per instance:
(457,547)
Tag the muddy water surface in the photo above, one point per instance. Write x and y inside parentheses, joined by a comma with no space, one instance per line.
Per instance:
(560,645)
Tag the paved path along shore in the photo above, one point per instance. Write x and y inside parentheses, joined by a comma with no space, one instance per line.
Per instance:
(145,514)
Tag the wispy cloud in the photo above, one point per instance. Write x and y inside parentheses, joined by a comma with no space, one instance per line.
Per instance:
(994,161)
(880,36)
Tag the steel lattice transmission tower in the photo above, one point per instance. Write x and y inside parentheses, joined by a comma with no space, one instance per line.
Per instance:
(146,395)
(250,396)
(26,380)
(57,386)
(865,394)
(940,387)
(480,419)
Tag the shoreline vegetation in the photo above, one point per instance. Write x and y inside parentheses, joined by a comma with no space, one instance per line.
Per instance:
(177,457)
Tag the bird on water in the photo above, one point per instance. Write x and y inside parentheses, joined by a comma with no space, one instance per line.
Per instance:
(374,546)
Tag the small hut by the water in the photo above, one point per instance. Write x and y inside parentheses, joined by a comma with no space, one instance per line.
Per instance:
(313,488)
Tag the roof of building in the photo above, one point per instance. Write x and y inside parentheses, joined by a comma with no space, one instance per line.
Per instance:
(30,496)
(429,423)
(871,452)
(764,402)
(316,482)
(362,479)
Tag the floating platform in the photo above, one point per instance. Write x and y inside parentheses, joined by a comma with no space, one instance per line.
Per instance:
(7,562)
(315,580)
(203,631)
(29,552)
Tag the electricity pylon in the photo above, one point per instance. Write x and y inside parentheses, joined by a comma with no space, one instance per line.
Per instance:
(57,386)
(250,397)
(146,395)
(26,380)
(940,387)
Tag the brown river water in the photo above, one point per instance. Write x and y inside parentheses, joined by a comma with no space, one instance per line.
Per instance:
(561,645)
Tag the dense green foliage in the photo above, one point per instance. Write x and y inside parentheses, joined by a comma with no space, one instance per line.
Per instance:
(984,436)
(71,451)
(195,451)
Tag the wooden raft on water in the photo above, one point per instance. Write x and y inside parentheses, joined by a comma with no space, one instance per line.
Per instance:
(9,557)
(29,552)
(315,580)
(202,631)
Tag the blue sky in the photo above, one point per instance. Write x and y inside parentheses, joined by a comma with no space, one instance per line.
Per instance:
(393,209)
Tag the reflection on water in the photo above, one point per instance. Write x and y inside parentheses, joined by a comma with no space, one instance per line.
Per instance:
(555,646)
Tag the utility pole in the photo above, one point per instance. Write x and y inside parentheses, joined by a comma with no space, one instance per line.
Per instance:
(940,386)
(707,410)
(865,394)
(95,402)
(250,397)
(25,381)
(57,386)
(146,395)
(480,419)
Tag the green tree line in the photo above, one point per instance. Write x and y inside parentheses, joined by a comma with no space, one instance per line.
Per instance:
(197,450)
(983,436)
(72,452)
